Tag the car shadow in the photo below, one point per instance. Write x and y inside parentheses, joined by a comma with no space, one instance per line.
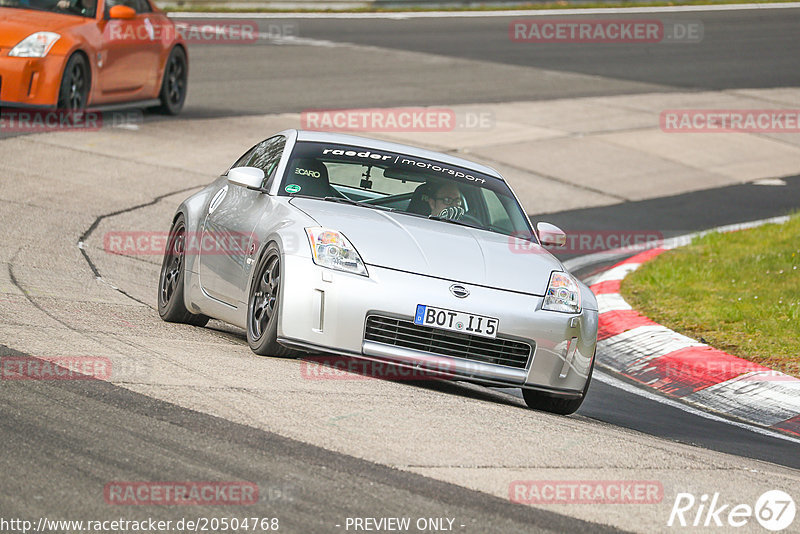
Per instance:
(320,366)
(338,367)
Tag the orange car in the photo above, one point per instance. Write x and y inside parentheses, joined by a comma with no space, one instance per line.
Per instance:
(76,54)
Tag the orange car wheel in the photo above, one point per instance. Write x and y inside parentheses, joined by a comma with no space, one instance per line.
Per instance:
(75,83)
(173,86)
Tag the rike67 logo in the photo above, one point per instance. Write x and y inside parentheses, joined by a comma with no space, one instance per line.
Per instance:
(774,510)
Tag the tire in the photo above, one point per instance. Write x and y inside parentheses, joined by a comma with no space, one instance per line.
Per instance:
(174,82)
(75,83)
(171,305)
(263,305)
(548,403)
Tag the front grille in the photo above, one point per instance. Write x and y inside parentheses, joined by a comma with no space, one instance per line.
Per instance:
(408,335)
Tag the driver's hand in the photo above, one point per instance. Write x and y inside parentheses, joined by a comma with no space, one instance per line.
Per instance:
(454,213)
(63,4)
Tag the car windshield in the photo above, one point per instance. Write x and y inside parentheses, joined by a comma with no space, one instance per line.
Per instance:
(405,184)
(84,8)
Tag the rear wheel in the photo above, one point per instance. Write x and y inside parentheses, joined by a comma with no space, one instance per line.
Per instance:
(263,305)
(548,403)
(174,83)
(75,82)
(171,305)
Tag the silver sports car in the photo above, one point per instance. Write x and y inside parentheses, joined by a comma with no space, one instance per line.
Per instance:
(329,243)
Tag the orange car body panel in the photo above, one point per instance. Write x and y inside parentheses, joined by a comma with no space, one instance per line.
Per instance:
(126,56)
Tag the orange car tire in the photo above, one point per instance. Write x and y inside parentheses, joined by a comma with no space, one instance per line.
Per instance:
(174,82)
(75,84)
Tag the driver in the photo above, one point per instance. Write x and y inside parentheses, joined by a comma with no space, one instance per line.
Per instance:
(446,201)
(85,7)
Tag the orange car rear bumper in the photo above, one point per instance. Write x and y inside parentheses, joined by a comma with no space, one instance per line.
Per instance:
(30,82)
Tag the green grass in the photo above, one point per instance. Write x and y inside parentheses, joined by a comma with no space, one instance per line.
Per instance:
(738,292)
(485,7)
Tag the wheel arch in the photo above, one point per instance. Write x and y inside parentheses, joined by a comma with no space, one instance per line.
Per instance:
(182,46)
(163,68)
(185,209)
(272,239)
(90,73)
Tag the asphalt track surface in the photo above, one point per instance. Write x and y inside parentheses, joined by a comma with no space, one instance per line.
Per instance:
(747,49)
(733,52)
(63,440)
(133,437)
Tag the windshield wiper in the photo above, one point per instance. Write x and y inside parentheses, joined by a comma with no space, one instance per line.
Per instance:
(453,221)
(343,200)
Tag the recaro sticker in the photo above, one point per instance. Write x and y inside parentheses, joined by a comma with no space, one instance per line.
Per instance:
(306,172)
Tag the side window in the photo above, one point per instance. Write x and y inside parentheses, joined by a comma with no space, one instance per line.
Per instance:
(498,216)
(143,6)
(265,156)
(241,162)
(136,5)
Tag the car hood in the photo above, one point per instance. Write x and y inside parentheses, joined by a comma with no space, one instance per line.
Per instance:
(16,24)
(435,248)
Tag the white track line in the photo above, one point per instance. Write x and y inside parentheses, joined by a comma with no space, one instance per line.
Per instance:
(672,242)
(636,390)
(475,14)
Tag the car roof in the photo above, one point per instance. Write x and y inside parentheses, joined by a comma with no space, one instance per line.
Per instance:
(366,142)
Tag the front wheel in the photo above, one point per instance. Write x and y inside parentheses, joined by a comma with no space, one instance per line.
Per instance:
(263,305)
(174,83)
(548,403)
(74,91)
(171,305)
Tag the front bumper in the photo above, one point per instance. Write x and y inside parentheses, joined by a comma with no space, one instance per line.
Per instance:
(30,82)
(327,310)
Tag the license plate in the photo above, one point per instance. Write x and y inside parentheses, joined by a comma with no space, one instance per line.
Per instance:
(455,321)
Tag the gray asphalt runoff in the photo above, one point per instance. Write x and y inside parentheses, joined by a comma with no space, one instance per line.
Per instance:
(739,49)
(734,51)
(64,440)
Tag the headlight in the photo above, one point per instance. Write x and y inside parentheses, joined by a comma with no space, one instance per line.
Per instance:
(35,45)
(563,294)
(331,249)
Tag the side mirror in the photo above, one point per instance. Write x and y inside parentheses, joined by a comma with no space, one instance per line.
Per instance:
(551,235)
(121,12)
(249,177)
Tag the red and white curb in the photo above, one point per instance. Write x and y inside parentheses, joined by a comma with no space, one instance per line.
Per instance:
(680,367)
